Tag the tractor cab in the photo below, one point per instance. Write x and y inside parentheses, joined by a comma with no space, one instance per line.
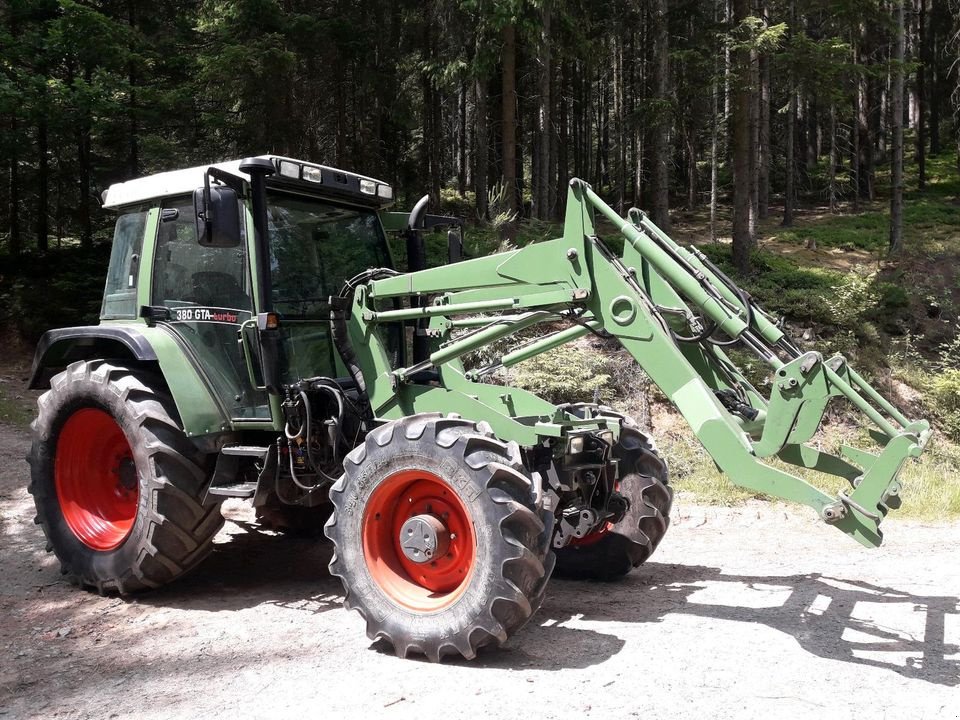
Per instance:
(237,262)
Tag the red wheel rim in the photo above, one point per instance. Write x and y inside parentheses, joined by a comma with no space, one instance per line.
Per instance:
(426,586)
(96,479)
(591,537)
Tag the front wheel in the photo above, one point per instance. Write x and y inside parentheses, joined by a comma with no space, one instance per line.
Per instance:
(116,483)
(439,537)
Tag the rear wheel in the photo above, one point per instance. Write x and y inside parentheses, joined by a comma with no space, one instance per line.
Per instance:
(116,483)
(439,537)
(605,554)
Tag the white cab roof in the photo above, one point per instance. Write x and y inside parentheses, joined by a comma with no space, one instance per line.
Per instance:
(180,182)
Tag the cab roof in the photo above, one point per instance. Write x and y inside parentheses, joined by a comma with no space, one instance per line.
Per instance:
(180,182)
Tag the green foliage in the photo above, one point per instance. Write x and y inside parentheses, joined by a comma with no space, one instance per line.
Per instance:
(58,289)
(852,297)
(570,373)
(943,390)
(499,207)
(781,285)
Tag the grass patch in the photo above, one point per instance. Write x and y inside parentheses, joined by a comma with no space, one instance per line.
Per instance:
(931,485)
(14,410)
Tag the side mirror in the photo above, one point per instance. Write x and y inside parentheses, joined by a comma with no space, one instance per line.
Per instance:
(218,216)
(454,246)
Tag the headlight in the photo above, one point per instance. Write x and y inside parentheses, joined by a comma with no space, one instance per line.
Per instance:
(290,169)
(313,174)
(385,192)
(368,187)
(575,445)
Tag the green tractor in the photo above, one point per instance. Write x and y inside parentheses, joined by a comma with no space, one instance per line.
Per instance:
(257,341)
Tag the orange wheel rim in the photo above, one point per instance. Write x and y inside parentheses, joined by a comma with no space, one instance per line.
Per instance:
(434,583)
(96,481)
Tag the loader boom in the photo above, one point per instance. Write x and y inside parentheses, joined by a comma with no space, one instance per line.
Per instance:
(674,312)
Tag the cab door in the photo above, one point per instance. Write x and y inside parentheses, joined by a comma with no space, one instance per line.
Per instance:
(208,294)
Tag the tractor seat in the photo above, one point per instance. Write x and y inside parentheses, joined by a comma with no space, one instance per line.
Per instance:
(219,289)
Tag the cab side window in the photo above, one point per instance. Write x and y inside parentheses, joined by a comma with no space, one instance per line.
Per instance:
(120,293)
(186,273)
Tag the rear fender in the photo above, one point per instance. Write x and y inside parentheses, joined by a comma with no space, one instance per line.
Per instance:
(197,406)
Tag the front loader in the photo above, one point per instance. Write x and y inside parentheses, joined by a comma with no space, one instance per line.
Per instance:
(258,342)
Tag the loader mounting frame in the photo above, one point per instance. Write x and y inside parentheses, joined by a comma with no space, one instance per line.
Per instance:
(645,297)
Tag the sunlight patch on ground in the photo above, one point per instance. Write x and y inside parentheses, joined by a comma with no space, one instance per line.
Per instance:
(741,595)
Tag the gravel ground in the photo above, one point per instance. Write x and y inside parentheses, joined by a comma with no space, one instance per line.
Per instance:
(757,611)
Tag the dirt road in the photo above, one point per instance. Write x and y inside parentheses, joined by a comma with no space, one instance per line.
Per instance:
(753,612)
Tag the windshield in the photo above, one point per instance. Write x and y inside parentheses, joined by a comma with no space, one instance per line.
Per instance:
(314,248)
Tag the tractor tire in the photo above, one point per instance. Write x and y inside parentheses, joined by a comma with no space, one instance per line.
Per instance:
(116,483)
(490,533)
(605,555)
(293,520)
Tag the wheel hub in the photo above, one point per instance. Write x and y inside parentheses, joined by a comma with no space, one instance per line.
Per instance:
(127,474)
(422,537)
(428,569)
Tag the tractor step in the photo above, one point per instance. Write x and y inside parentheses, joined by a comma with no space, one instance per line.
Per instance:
(244,450)
(239,490)
(226,474)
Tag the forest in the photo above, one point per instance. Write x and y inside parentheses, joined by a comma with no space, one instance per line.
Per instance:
(493,104)
(811,146)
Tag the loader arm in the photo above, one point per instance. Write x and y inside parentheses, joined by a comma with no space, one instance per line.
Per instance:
(674,312)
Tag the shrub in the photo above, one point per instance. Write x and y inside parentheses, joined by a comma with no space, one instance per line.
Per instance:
(943,396)
(853,297)
(570,373)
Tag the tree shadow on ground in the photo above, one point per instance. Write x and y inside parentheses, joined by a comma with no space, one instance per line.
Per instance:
(830,617)
(253,567)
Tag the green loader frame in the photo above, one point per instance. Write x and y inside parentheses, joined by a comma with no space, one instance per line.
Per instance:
(638,297)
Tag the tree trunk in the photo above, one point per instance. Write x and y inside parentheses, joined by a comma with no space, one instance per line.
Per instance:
(754,121)
(563,135)
(832,187)
(509,117)
(871,120)
(789,193)
(790,168)
(763,148)
(691,170)
(482,151)
(742,146)
(15,244)
(43,178)
(714,162)
(935,79)
(556,100)
(133,146)
(855,128)
(462,139)
(661,131)
(619,114)
(542,200)
(436,143)
(922,94)
(84,169)
(896,175)
(603,131)
(727,62)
